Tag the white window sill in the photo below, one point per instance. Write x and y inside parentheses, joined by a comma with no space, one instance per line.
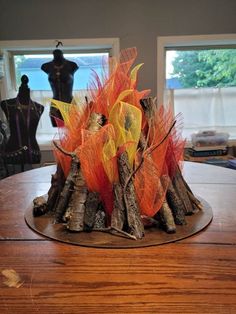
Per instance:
(45,140)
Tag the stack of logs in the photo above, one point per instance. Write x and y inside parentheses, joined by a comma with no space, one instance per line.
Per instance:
(71,203)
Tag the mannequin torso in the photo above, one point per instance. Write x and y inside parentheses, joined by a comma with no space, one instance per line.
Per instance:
(23,116)
(61,78)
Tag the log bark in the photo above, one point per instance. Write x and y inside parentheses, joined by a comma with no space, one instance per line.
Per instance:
(67,190)
(197,205)
(176,205)
(118,216)
(180,187)
(134,222)
(100,218)
(57,183)
(195,201)
(77,204)
(142,141)
(148,105)
(91,207)
(40,206)
(165,216)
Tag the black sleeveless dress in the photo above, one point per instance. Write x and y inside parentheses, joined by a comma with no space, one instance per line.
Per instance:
(22,146)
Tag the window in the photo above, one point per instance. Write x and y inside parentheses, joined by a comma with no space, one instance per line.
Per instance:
(196,68)
(26,57)
(30,65)
(197,75)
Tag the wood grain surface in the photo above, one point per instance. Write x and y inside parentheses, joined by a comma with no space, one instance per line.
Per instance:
(194,275)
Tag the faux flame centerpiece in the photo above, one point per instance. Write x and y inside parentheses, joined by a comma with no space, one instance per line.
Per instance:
(118,161)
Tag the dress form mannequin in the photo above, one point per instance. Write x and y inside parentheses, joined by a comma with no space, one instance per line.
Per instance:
(61,78)
(23,116)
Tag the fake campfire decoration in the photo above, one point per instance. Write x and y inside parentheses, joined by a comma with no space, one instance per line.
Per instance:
(118,161)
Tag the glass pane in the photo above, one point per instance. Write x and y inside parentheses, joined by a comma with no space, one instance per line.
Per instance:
(30,65)
(200,68)
(88,63)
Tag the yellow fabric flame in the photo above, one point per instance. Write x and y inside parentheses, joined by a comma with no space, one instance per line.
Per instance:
(65,109)
(134,74)
(108,156)
(126,120)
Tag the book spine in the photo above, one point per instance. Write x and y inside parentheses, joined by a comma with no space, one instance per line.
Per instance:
(206,153)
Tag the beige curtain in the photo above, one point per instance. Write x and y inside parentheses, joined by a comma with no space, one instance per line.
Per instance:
(205,109)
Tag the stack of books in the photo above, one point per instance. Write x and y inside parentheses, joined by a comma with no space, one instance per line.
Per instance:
(232,164)
(205,151)
(209,143)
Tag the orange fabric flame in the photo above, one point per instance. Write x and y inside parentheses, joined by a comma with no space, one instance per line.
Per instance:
(152,179)
(96,175)
(105,95)
(118,99)
(70,136)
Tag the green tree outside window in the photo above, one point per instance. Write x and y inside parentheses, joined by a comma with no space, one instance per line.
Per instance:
(205,68)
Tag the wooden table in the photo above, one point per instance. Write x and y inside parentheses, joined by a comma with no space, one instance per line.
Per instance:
(195,275)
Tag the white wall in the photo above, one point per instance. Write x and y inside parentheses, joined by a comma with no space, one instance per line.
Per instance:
(135,22)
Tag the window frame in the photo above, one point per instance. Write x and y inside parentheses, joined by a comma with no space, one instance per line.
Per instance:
(67,55)
(166,42)
(9,48)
